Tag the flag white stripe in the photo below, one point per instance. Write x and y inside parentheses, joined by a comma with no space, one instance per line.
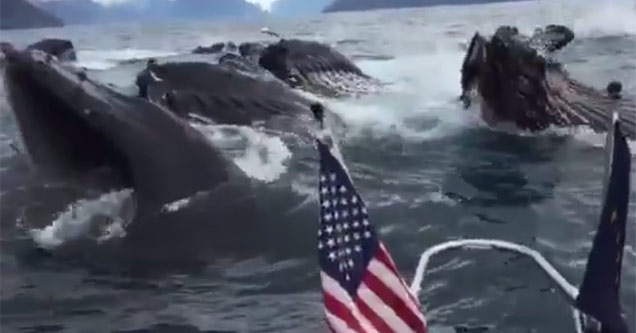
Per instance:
(338,324)
(406,287)
(330,286)
(388,278)
(382,310)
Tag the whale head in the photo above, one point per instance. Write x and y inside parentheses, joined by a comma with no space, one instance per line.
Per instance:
(74,126)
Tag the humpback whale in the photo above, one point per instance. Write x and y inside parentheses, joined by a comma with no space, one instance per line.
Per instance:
(245,66)
(61,48)
(251,50)
(76,127)
(315,67)
(214,48)
(517,84)
(224,95)
(306,65)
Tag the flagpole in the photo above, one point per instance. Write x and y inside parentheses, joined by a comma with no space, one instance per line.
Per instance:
(324,135)
(613,89)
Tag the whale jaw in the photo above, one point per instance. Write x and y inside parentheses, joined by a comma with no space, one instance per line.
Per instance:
(74,125)
(56,136)
(516,84)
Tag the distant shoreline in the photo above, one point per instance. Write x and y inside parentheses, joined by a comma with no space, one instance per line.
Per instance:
(363,5)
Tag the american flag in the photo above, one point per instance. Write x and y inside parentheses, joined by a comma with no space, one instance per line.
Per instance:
(362,289)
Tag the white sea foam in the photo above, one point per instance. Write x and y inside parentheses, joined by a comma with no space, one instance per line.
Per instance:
(440,197)
(259,155)
(591,18)
(418,101)
(104,59)
(79,220)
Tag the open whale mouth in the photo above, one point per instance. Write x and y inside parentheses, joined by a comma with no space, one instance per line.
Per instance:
(77,127)
(68,150)
(513,84)
(517,84)
(51,110)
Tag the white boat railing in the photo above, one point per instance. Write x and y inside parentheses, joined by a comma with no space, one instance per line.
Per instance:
(568,290)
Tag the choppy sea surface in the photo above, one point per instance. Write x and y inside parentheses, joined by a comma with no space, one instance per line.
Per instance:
(428,170)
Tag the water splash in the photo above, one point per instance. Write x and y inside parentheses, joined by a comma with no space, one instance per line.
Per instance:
(259,155)
(81,219)
(414,108)
(604,18)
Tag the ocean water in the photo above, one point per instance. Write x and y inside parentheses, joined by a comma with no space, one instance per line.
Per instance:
(428,170)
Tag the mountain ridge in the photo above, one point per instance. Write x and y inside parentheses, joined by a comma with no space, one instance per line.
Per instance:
(364,5)
(22,14)
(89,12)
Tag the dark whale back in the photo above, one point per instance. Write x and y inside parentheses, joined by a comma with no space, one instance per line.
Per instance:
(251,50)
(311,65)
(305,56)
(62,113)
(214,48)
(61,48)
(244,65)
(220,94)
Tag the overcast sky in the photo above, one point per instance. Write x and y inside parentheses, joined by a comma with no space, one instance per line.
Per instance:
(265,4)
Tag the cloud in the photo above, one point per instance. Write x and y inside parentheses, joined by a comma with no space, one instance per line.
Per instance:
(265,4)
(110,2)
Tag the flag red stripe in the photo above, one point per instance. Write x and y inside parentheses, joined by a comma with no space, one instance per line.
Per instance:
(394,302)
(372,317)
(336,308)
(383,256)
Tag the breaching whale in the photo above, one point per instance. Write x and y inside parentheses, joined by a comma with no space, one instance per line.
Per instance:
(73,126)
(315,67)
(517,84)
